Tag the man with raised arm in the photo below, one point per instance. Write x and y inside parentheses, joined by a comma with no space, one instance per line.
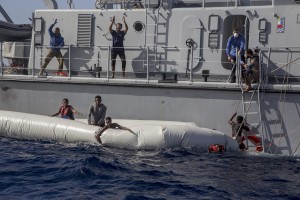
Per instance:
(56,42)
(117,45)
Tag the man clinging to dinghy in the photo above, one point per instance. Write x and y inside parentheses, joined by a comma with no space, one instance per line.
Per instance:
(109,124)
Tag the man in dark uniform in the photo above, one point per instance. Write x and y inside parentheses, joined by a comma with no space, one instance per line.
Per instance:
(117,45)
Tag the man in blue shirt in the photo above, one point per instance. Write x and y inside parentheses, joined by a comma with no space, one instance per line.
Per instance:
(236,41)
(117,45)
(56,42)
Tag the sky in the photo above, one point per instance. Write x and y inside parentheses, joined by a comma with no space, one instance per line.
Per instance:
(21,10)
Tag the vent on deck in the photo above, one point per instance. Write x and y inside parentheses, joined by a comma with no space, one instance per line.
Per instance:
(84,32)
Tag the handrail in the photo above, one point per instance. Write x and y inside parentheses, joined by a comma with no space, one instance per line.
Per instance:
(1,61)
(177,59)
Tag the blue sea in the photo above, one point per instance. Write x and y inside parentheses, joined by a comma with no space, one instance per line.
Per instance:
(49,170)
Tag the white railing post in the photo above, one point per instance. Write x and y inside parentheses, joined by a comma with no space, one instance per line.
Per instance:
(69,62)
(268,66)
(33,61)
(108,61)
(192,63)
(147,63)
(237,67)
(1,57)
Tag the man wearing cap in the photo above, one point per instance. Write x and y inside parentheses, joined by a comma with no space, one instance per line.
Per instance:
(56,42)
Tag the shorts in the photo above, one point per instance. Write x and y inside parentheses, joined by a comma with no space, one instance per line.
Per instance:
(120,53)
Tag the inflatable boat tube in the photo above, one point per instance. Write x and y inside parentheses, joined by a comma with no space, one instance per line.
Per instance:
(149,135)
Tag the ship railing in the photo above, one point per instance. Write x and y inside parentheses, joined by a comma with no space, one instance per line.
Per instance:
(170,64)
(13,58)
(155,4)
(221,3)
(280,65)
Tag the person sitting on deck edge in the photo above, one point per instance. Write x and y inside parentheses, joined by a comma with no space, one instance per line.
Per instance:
(251,70)
(109,124)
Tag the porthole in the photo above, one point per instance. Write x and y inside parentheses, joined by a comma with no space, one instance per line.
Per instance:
(138,26)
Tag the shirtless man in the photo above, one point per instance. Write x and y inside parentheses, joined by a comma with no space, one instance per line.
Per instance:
(109,124)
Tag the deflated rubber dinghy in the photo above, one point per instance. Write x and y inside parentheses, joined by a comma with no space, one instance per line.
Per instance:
(150,135)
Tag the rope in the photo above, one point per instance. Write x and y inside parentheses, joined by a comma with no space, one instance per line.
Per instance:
(296,149)
(239,103)
(283,66)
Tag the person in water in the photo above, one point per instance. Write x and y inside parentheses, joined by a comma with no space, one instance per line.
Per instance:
(56,43)
(97,112)
(66,111)
(117,45)
(109,124)
(216,148)
(238,126)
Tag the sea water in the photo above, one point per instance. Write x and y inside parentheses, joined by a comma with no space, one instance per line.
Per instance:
(49,170)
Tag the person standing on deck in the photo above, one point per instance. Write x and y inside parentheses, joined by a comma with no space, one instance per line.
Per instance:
(97,112)
(235,41)
(56,43)
(66,111)
(117,45)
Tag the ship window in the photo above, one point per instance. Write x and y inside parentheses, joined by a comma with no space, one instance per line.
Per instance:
(262,25)
(38,24)
(138,26)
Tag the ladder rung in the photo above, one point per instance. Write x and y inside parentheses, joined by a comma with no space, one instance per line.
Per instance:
(254,124)
(150,34)
(151,24)
(248,102)
(252,113)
